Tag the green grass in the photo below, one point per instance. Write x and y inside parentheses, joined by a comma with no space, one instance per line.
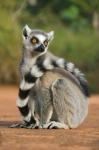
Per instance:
(80,47)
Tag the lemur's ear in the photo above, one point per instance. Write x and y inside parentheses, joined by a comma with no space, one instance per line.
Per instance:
(26,31)
(50,35)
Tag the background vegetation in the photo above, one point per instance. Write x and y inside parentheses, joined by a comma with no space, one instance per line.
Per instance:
(76,26)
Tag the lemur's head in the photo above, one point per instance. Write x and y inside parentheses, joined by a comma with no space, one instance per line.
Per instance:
(36,41)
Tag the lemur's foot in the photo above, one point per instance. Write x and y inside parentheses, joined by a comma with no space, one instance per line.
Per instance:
(24,124)
(55,125)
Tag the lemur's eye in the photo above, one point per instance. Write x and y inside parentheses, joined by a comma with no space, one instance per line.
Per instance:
(34,40)
(46,43)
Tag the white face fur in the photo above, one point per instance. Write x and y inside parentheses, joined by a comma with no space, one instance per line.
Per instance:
(36,40)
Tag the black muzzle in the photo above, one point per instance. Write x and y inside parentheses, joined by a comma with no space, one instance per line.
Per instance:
(40,48)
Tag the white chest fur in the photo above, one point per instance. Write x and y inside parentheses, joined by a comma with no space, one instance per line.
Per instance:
(27,65)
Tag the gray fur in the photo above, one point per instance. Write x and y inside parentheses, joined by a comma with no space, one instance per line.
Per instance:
(63,96)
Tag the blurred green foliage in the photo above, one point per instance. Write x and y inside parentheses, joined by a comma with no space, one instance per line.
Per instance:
(76,36)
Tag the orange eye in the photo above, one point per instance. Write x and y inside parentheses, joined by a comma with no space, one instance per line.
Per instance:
(34,40)
(46,43)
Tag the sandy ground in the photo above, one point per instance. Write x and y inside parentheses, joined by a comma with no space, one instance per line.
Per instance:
(86,137)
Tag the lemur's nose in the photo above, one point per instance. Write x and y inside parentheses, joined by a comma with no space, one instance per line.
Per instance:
(40,48)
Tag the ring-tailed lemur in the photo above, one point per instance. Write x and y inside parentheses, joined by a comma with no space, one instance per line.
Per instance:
(36,60)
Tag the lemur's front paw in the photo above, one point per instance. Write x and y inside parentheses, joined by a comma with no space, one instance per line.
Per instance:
(55,125)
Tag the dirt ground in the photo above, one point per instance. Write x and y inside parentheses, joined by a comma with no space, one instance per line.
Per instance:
(85,137)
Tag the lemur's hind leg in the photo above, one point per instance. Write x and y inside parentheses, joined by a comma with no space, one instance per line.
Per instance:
(69,103)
